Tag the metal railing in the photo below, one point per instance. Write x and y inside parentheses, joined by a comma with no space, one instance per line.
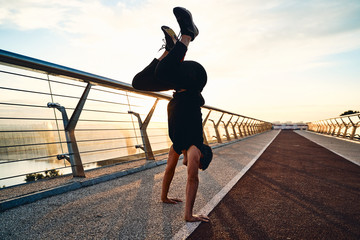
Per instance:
(69,120)
(343,126)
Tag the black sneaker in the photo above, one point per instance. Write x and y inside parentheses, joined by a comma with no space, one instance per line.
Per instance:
(187,26)
(170,38)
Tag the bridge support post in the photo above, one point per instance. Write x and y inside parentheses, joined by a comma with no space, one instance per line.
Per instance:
(320,127)
(216,127)
(233,127)
(146,147)
(334,129)
(239,127)
(346,128)
(340,127)
(226,128)
(331,126)
(256,127)
(203,125)
(245,127)
(249,127)
(323,127)
(354,126)
(69,126)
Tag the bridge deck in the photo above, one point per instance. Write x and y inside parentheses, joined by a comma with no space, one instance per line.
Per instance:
(129,207)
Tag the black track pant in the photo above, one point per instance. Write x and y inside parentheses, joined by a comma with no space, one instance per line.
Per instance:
(184,110)
(171,73)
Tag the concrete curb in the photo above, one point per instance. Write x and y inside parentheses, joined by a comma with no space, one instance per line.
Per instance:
(32,197)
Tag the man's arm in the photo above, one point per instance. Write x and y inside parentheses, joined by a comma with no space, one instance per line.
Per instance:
(193,163)
(168,176)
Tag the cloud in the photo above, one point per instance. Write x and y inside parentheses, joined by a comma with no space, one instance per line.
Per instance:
(282,35)
(248,46)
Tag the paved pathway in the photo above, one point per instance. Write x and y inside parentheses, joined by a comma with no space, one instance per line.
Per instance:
(295,190)
(128,207)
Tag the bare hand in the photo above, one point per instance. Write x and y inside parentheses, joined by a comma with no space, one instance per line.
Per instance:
(171,200)
(198,218)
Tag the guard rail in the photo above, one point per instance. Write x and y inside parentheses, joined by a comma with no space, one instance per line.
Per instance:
(51,112)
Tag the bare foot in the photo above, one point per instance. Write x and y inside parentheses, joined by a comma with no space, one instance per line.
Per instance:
(198,218)
(171,200)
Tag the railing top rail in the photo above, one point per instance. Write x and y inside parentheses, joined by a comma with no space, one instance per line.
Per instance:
(338,117)
(14,59)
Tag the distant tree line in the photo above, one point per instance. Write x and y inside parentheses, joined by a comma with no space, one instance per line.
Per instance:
(349,112)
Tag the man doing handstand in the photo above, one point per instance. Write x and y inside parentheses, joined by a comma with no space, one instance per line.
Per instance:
(188,79)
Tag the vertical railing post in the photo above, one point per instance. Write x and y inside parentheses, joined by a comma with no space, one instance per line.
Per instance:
(246,127)
(146,147)
(315,124)
(324,127)
(266,126)
(310,126)
(334,128)
(330,126)
(339,126)
(239,127)
(226,128)
(69,126)
(353,130)
(246,133)
(319,127)
(203,125)
(252,127)
(259,127)
(249,127)
(346,128)
(262,126)
(256,127)
(216,126)
(233,127)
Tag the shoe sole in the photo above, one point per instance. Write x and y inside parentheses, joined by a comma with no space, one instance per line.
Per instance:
(169,34)
(182,14)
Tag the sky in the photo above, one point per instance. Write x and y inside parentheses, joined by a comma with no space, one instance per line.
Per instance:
(274,60)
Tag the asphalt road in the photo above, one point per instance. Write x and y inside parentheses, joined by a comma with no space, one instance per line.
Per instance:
(297,189)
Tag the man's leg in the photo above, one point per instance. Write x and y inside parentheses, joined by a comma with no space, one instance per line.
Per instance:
(169,69)
(146,80)
(168,176)
(193,156)
(181,74)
